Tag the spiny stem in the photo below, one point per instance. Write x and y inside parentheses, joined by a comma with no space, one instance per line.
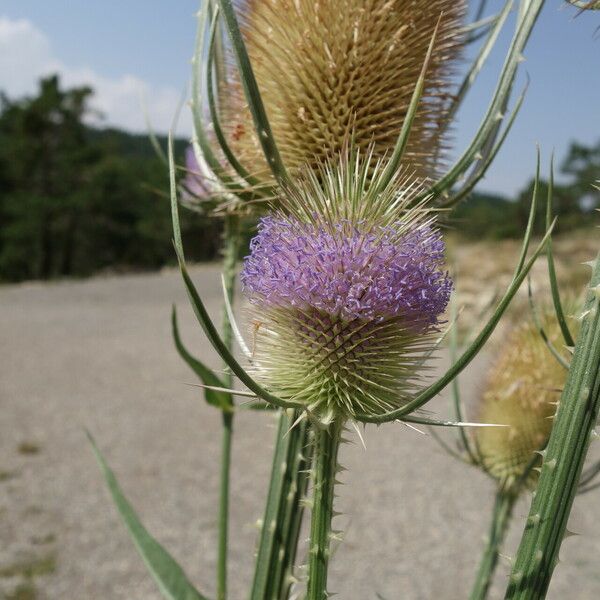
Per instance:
(252,93)
(294,510)
(563,460)
(326,445)
(284,509)
(501,515)
(231,239)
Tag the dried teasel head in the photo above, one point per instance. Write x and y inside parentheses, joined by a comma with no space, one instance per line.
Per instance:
(522,391)
(333,70)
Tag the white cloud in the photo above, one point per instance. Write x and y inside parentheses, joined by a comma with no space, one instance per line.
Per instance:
(26,55)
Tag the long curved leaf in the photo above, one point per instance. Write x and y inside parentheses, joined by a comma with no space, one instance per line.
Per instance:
(172,581)
(218,398)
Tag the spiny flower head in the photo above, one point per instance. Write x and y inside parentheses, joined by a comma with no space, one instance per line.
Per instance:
(522,391)
(329,70)
(345,301)
(350,271)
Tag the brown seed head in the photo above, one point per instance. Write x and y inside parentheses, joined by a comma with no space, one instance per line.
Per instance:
(331,69)
(522,391)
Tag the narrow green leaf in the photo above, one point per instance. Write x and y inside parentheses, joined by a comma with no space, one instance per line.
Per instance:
(541,331)
(252,93)
(455,386)
(224,352)
(531,219)
(232,323)
(394,163)
(172,581)
(487,158)
(217,398)
(560,313)
(435,423)
(200,310)
(484,53)
(487,128)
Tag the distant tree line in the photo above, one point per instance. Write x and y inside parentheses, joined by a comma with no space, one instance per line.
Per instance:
(495,217)
(76,200)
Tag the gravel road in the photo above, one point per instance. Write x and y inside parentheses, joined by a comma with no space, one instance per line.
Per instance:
(97,354)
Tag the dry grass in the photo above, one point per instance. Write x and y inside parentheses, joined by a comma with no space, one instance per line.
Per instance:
(483,271)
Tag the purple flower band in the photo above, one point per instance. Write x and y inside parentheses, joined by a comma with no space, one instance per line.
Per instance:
(372,275)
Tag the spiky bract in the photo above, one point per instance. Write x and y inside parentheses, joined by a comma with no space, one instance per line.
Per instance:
(329,70)
(522,391)
(347,288)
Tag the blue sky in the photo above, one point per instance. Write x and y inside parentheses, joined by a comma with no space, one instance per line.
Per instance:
(127,49)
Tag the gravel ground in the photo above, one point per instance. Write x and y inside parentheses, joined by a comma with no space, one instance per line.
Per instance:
(97,354)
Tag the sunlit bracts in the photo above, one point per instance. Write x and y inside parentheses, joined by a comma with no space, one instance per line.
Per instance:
(483,145)
(195,188)
(230,184)
(560,313)
(243,179)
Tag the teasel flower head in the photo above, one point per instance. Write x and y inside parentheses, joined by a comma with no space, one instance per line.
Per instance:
(522,391)
(330,70)
(346,287)
(200,190)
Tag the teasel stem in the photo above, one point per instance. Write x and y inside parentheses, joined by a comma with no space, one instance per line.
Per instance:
(325,451)
(284,509)
(564,457)
(501,515)
(231,240)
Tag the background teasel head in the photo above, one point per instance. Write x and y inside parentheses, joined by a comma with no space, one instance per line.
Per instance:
(522,391)
(346,285)
(330,70)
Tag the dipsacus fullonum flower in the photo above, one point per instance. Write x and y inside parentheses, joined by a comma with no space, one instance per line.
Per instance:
(522,391)
(346,286)
(329,69)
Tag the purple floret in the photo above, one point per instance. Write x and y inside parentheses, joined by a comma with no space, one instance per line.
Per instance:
(194,183)
(372,275)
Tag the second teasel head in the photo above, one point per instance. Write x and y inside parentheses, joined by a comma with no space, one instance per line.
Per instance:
(522,391)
